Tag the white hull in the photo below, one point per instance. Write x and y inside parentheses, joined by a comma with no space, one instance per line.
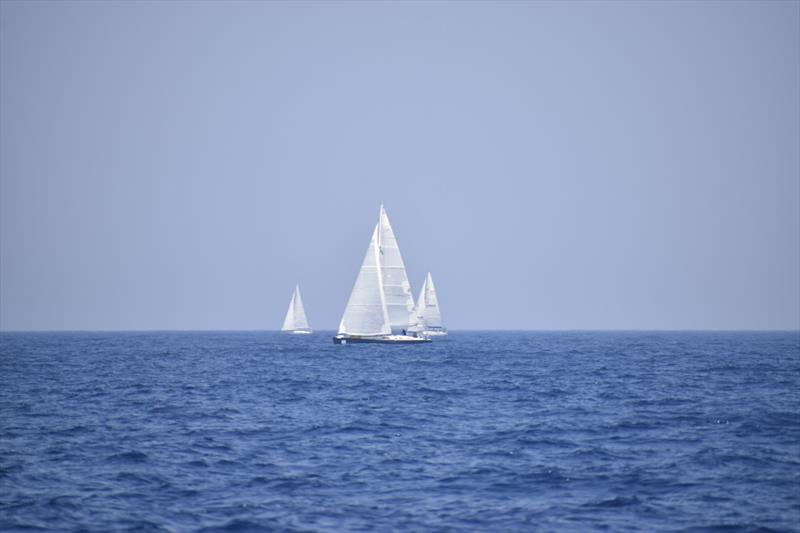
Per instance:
(299,332)
(434,333)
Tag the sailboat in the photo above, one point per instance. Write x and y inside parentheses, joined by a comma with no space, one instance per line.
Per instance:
(296,321)
(380,308)
(428,315)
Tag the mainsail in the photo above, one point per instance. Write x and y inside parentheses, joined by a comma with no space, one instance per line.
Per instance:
(396,288)
(296,315)
(428,305)
(381,300)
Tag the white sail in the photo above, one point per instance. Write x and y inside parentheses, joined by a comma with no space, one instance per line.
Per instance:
(381,300)
(396,288)
(421,304)
(366,312)
(428,305)
(296,314)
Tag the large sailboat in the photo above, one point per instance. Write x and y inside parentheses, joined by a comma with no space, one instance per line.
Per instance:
(296,321)
(380,308)
(428,315)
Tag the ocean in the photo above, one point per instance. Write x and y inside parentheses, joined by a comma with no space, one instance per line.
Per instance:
(478,431)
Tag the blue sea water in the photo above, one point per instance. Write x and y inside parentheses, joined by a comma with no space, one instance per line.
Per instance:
(479,431)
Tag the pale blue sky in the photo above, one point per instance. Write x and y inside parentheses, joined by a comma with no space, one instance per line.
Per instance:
(180,165)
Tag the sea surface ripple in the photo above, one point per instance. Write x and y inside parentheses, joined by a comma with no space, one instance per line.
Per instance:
(479,431)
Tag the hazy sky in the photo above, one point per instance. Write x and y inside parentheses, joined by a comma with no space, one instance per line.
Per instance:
(180,165)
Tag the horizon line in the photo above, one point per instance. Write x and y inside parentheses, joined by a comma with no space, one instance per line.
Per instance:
(451,330)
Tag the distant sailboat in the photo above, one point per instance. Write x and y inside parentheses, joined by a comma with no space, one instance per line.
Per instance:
(380,308)
(296,321)
(428,314)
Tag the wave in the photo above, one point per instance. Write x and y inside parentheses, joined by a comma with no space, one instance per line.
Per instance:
(486,432)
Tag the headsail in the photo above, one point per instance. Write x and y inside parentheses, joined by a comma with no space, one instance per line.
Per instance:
(366,312)
(428,305)
(296,314)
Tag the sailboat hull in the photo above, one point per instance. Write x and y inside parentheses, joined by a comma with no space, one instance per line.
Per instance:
(298,331)
(380,339)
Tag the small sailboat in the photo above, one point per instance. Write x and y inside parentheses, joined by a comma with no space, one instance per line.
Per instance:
(296,321)
(428,315)
(380,308)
